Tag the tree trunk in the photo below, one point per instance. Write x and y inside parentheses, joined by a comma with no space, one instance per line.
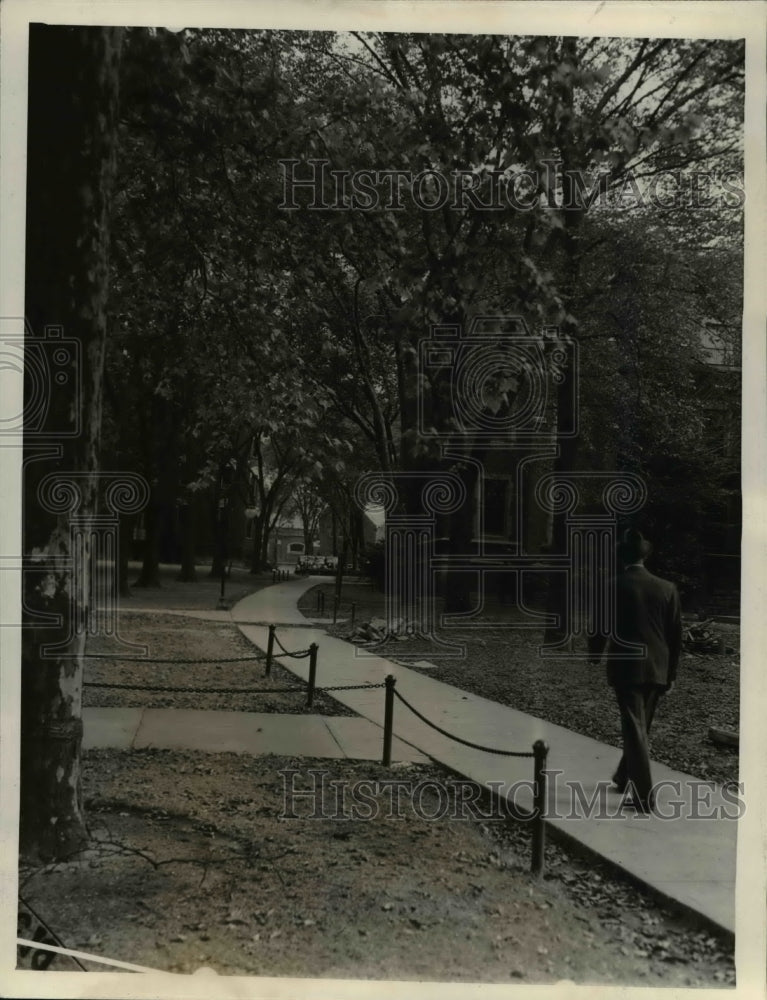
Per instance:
(356,536)
(73,91)
(256,563)
(458,589)
(187,518)
(567,390)
(308,538)
(265,535)
(565,462)
(126,533)
(340,569)
(221,551)
(150,567)
(217,562)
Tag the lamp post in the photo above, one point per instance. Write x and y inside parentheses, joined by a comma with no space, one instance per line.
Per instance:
(225,482)
(223,530)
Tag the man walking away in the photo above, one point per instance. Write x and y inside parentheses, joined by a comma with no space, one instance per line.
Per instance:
(642,659)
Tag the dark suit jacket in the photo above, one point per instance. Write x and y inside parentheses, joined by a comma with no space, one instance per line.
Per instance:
(648,614)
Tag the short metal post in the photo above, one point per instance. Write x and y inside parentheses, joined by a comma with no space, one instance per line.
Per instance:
(540,755)
(270,650)
(274,576)
(354,612)
(312,674)
(335,608)
(390,681)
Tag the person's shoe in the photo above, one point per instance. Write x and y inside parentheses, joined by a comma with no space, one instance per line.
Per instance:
(619,786)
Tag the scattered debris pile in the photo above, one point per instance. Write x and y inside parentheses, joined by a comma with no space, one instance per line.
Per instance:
(708,637)
(378,630)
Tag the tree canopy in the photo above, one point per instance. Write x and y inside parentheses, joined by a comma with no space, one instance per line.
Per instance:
(611,168)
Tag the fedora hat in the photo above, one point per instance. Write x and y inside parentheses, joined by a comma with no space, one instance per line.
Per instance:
(633,546)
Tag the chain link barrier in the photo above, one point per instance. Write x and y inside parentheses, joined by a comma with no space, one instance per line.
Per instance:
(197,661)
(190,690)
(298,655)
(539,753)
(311,688)
(351,687)
(151,659)
(458,739)
(539,757)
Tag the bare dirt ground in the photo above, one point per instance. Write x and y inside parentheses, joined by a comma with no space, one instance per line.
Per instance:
(242,687)
(505,666)
(195,861)
(191,865)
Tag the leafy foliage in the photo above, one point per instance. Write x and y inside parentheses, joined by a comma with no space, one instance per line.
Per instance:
(238,321)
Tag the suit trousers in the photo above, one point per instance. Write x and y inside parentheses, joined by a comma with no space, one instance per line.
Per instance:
(637,704)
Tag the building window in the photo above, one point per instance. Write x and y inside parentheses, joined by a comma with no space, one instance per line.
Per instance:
(296,547)
(495,504)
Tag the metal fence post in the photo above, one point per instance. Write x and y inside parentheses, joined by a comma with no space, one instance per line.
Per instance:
(540,755)
(390,681)
(335,608)
(270,650)
(312,674)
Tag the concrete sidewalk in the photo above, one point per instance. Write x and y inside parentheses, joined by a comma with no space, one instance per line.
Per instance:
(689,860)
(238,732)
(277,604)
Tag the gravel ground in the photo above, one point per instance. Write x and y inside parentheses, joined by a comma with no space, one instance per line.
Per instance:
(504,665)
(191,864)
(193,861)
(176,637)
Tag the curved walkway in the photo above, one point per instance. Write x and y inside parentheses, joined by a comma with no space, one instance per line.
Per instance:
(688,858)
(278,604)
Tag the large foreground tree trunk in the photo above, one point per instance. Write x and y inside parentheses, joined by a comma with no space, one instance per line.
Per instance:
(73,75)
